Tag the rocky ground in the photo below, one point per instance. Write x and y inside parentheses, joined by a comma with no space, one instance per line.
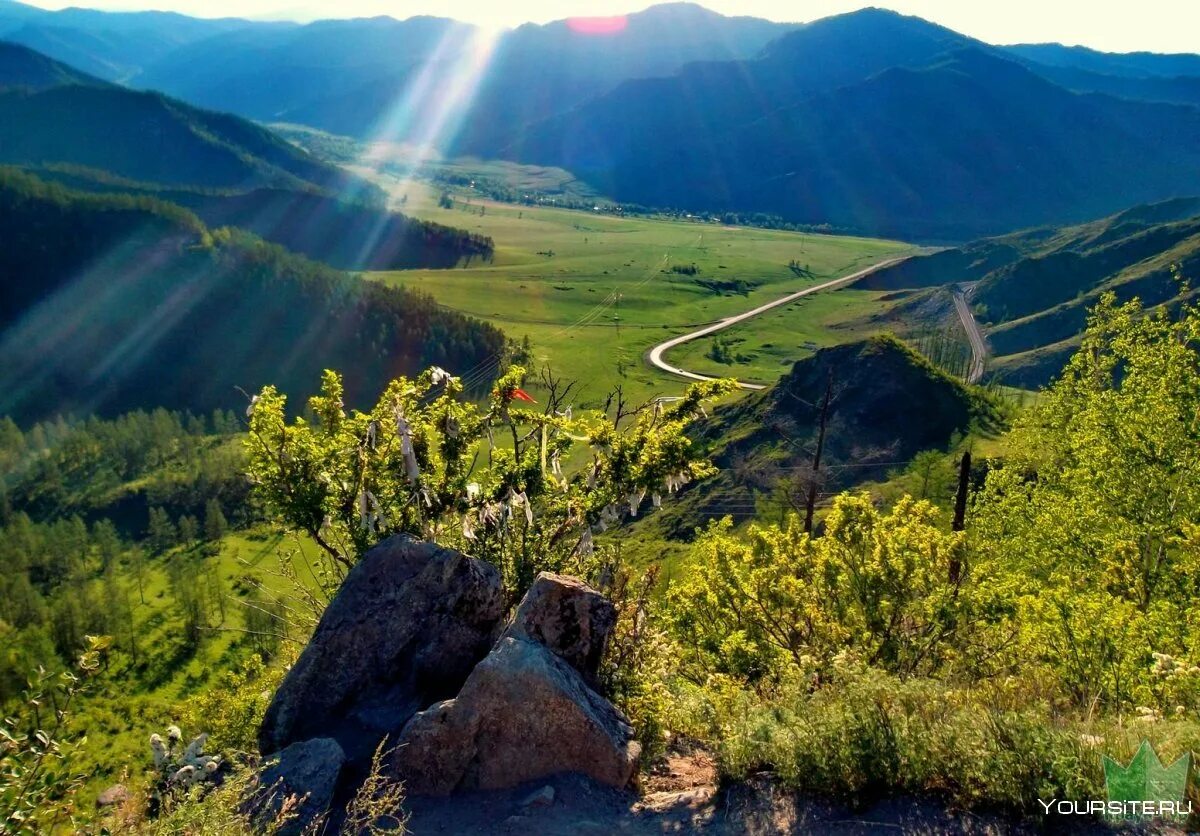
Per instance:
(681,796)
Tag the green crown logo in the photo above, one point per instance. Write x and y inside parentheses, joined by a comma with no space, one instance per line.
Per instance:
(1146,779)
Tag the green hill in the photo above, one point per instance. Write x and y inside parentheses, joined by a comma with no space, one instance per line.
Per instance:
(1031,290)
(93,136)
(887,403)
(343,234)
(110,302)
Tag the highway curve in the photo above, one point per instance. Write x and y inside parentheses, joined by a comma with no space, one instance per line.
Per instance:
(655,356)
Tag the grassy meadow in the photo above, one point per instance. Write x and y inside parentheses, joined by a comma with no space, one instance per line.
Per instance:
(153,687)
(594,292)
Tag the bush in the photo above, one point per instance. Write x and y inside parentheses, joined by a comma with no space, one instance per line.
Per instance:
(866,733)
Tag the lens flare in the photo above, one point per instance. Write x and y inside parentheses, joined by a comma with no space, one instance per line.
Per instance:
(598,25)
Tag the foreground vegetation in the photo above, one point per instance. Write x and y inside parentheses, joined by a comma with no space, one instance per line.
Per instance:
(992,664)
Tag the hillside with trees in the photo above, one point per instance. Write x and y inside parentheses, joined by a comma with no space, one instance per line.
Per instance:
(180,316)
(1031,290)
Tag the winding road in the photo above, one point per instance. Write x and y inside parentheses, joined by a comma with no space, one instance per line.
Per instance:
(974,335)
(655,356)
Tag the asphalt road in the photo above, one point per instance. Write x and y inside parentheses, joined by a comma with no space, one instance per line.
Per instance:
(655,356)
(974,335)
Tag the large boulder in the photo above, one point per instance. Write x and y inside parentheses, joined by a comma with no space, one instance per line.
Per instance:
(306,771)
(570,618)
(523,714)
(407,626)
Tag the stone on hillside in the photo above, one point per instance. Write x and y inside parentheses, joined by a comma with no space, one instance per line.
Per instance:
(308,770)
(568,617)
(523,714)
(539,798)
(405,629)
(114,795)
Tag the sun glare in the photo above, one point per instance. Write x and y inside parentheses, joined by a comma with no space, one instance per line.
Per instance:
(598,25)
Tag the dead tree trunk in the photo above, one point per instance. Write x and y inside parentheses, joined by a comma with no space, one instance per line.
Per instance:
(810,502)
(960,513)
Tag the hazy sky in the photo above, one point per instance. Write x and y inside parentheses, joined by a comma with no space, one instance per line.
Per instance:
(1112,25)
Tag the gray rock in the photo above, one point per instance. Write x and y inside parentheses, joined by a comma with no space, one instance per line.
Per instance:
(523,714)
(114,795)
(539,798)
(568,617)
(405,629)
(307,770)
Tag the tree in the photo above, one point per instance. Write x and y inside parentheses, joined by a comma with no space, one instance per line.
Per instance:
(160,531)
(874,583)
(425,462)
(107,542)
(215,524)
(189,529)
(1095,513)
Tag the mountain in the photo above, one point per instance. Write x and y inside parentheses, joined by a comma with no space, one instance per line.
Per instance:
(91,135)
(897,137)
(348,235)
(1128,64)
(1031,290)
(1144,75)
(372,77)
(26,68)
(110,302)
(870,121)
(142,136)
(110,45)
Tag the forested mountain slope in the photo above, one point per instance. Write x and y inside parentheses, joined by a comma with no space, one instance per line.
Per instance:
(922,143)
(112,302)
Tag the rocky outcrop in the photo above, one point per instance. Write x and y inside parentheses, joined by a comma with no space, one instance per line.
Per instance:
(523,714)
(527,711)
(406,628)
(569,618)
(306,771)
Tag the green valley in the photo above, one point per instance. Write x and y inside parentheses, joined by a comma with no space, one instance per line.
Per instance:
(594,292)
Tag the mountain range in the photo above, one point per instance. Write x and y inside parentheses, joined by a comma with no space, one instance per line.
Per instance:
(871,121)
(94,135)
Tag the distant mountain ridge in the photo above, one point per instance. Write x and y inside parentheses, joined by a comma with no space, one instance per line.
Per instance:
(871,121)
(50,112)
(909,140)
(96,136)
